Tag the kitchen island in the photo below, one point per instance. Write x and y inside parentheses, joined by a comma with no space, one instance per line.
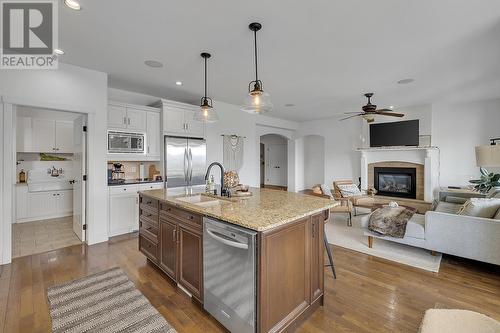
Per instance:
(289,261)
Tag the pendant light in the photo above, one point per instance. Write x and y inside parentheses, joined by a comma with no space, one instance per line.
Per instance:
(206,113)
(257,100)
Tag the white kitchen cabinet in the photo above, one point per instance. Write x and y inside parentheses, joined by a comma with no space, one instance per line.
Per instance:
(33,206)
(41,204)
(21,201)
(37,135)
(24,134)
(128,117)
(64,202)
(136,119)
(180,120)
(173,120)
(193,127)
(153,134)
(117,116)
(64,136)
(44,135)
(123,209)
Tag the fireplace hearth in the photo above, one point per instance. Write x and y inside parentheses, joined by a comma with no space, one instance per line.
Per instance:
(395,182)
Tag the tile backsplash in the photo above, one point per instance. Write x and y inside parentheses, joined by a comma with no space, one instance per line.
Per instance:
(131,169)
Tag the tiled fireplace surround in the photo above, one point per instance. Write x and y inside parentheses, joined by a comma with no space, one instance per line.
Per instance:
(424,159)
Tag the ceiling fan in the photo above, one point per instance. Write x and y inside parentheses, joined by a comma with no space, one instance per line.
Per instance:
(370,110)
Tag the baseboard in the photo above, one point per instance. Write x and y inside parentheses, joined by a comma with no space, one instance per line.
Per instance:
(40,218)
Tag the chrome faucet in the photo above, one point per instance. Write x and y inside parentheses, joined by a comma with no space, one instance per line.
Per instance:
(222,188)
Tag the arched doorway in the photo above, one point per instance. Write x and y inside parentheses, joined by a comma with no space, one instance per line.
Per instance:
(274,161)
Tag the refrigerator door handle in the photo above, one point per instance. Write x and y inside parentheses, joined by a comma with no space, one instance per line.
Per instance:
(190,165)
(186,161)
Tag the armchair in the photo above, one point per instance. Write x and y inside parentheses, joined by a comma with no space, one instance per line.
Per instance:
(363,200)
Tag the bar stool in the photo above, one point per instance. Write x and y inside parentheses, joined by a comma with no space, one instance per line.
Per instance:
(329,252)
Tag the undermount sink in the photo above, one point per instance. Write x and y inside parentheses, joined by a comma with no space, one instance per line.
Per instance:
(55,184)
(201,200)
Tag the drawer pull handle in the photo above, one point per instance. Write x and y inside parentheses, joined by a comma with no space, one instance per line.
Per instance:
(149,215)
(148,202)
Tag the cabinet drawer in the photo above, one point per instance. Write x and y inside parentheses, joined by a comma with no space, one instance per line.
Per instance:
(149,248)
(148,213)
(149,202)
(148,230)
(150,186)
(180,214)
(127,189)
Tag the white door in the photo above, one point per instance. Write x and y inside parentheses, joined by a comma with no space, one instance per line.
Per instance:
(64,136)
(136,120)
(117,116)
(153,134)
(193,127)
(79,169)
(173,120)
(123,214)
(44,135)
(276,165)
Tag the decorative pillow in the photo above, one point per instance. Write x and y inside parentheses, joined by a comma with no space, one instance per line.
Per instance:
(480,207)
(349,190)
(326,190)
(457,200)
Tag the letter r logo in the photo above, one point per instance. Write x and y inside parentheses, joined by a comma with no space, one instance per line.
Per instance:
(27,27)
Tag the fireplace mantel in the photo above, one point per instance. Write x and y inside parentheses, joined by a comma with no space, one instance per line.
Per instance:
(428,157)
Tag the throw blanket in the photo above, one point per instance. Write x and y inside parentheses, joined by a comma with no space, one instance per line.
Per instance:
(390,221)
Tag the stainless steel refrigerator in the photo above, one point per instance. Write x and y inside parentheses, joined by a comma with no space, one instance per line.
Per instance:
(185,161)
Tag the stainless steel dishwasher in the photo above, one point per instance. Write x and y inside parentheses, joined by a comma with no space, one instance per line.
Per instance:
(229,268)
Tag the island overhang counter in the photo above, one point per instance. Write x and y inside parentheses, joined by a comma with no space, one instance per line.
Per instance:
(290,249)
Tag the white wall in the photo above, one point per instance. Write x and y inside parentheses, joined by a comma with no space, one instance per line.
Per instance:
(73,89)
(314,161)
(342,161)
(234,121)
(456,130)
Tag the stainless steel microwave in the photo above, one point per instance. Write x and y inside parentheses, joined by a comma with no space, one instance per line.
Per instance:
(125,143)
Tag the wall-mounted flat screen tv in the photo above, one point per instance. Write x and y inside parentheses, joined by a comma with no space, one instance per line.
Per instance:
(399,133)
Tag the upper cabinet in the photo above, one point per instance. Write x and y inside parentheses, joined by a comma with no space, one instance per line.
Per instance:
(37,135)
(178,119)
(126,117)
(140,119)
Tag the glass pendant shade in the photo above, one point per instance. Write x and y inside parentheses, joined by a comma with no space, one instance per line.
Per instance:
(257,102)
(206,113)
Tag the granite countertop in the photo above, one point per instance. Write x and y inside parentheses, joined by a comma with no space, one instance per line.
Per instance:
(135,181)
(264,210)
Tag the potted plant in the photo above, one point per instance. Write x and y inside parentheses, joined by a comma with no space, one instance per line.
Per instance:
(487,181)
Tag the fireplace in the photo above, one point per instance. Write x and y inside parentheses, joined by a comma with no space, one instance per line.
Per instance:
(395,182)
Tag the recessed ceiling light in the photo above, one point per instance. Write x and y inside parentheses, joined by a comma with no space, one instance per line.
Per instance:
(73,4)
(391,107)
(289,105)
(179,83)
(58,51)
(406,81)
(153,63)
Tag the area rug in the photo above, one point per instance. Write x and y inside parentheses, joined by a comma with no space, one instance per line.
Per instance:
(104,302)
(338,233)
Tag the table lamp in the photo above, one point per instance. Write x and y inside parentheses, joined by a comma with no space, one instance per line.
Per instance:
(488,156)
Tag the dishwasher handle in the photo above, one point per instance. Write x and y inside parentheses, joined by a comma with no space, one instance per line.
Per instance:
(238,245)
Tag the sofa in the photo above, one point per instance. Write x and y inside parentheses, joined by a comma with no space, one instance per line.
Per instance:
(443,230)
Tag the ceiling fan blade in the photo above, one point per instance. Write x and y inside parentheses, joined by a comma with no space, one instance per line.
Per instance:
(391,114)
(352,112)
(356,115)
(384,110)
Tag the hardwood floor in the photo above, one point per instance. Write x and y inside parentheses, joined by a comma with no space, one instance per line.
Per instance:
(369,295)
